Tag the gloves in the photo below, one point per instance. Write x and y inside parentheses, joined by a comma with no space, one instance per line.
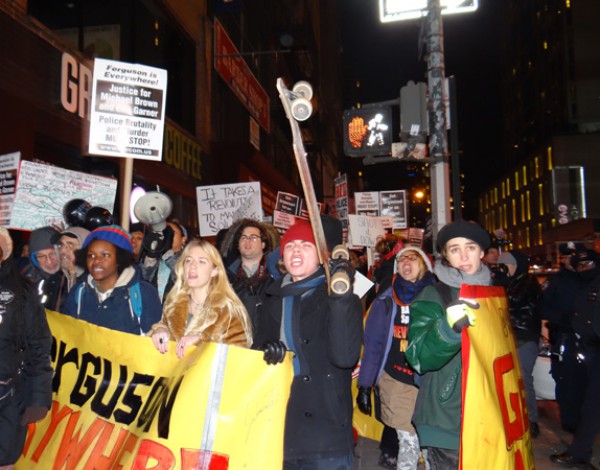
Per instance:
(460,314)
(33,414)
(363,400)
(274,352)
(157,243)
(342,275)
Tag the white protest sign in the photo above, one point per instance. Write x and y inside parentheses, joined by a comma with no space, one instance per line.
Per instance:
(128,110)
(221,205)
(393,203)
(43,190)
(9,163)
(365,230)
(367,203)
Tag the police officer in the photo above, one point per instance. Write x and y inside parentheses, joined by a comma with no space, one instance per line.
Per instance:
(586,324)
(25,372)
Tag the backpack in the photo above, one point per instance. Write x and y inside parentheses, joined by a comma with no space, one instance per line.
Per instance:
(135,301)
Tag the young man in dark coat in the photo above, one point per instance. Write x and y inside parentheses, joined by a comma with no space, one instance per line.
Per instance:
(25,371)
(324,331)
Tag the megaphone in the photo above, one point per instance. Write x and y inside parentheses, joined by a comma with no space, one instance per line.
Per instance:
(153,209)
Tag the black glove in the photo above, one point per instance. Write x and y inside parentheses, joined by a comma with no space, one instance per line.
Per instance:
(363,400)
(345,268)
(33,414)
(155,244)
(274,352)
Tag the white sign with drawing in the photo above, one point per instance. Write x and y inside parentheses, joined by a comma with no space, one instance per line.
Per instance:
(221,205)
(365,230)
(43,190)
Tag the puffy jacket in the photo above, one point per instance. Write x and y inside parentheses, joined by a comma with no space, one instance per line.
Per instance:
(434,350)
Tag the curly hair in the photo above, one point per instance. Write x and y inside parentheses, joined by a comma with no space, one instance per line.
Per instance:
(124,258)
(221,296)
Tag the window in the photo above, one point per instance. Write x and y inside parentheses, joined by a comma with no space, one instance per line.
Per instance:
(522,207)
(516,180)
(524,174)
(541,198)
(549,156)
(507,187)
(536,163)
(528,201)
(514,212)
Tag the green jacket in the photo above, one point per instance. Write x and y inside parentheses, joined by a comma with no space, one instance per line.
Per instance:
(434,352)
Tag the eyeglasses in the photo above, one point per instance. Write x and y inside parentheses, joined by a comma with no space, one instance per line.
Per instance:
(252,238)
(402,259)
(45,257)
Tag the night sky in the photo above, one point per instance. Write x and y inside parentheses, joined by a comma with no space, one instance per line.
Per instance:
(385,56)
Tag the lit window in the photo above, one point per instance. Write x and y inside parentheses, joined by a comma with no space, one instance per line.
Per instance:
(540,237)
(522,207)
(507,186)
(528,205)
(486,202)
(514,212)
(537,167)
(503,190)
(496,195)
(541,197)
(524,175)
(568,3)
(505,223)
(549,156)
(527,238)
(516,180)
(545,45)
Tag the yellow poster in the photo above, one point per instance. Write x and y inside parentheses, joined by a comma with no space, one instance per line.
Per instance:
(119,404)
(495,428)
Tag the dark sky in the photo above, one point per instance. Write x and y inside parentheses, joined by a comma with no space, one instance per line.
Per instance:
(385,56)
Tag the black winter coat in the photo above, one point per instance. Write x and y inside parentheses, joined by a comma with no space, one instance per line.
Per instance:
(525,307)
(327,335)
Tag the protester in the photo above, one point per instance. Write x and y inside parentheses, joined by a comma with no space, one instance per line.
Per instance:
(569,374)
(202,306)
(158,265)
(25,371)
(434,339)
(57,287)
(324,331)
(114,295)
(383,362)
(249,273)
(586,324)
(525,310)
(137,231)
(43,256)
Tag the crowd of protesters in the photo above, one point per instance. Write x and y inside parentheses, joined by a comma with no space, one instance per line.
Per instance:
(262,290)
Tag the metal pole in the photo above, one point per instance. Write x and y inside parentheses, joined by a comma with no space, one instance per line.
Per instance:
(454,152)
(438,144)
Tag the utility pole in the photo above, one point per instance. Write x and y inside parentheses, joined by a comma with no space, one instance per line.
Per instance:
(438,142)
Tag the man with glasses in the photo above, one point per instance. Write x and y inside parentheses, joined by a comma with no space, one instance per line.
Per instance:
(57,286)
(250,274)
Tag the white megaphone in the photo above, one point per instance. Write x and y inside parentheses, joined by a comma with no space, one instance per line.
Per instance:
(153,209)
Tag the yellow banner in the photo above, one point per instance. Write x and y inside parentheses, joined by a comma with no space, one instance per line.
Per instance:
(495,427)
(119,404)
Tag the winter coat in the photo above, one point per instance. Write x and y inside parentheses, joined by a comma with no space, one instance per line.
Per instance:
(223,328)
(25,340)
(56,289)
(327,336)
(116,311)
(434,350)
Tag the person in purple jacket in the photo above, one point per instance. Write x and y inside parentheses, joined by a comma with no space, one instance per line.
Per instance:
(384,364)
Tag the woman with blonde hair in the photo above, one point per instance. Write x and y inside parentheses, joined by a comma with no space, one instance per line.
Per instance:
(202,306)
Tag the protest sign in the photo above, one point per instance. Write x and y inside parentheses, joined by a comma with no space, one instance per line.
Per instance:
(9,163)
(128,110)
(394,203)
(365,230)
(367,203)
(119,403)
(221,205)
(43,190)
(341,201)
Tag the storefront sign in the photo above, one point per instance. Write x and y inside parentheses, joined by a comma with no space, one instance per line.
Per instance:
(182,152)
(238,76)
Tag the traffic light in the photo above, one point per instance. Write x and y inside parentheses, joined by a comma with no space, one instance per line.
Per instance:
(368,131)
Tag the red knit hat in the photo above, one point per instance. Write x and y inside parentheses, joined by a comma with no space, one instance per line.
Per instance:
(301,230)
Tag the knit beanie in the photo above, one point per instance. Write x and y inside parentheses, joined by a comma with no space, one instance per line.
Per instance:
(114,234)
(79,233)
(301,230)
(466,229)
(6,243)
(40,239)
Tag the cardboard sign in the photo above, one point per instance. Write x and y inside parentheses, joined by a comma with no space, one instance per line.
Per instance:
(221,205)
(365,230)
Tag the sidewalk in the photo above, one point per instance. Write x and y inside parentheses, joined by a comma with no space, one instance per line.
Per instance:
(552,439)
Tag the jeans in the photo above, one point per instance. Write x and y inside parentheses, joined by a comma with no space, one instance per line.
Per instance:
(528,354)
(330,463)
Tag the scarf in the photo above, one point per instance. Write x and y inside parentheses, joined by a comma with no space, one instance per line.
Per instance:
(406,291)
(293,293)
(455,277)
(251,281)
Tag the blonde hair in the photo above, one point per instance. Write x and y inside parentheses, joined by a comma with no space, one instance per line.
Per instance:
(221,296)
(422,265)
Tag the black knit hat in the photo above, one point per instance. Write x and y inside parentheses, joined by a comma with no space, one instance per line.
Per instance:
(462,228)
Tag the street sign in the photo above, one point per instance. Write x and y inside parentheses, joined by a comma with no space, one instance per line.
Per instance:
(400,10)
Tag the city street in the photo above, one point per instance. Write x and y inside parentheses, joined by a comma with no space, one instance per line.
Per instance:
(552,439)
